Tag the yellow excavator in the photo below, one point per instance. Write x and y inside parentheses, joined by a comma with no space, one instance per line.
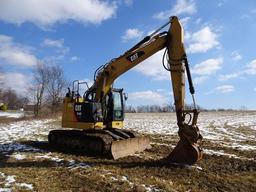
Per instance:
(98,115)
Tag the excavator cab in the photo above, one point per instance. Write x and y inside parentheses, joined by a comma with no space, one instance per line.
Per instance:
(113,108)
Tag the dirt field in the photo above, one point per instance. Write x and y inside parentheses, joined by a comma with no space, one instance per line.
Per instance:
(229,164)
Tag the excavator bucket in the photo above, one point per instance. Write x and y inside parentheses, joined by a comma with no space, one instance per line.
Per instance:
(123,148)
(185,153)
(187,150)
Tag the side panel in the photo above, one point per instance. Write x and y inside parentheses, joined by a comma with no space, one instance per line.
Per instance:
(81,115)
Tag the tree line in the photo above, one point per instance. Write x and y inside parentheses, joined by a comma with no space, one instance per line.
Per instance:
(157,108)
(44,95)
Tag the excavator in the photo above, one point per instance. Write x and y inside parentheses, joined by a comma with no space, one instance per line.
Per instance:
(96,118)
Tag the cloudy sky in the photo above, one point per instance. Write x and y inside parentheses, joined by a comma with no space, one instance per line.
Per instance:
(81,35)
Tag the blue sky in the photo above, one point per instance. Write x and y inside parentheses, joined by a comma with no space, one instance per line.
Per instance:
(81,35)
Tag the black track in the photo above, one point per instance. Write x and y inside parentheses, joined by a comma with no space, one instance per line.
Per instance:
(95,142)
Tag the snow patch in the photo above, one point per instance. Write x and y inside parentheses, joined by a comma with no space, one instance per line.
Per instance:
(75,165)
(5,190)
(10,182)
(113,178)
(49,156)
(17,114)
(25,185)
(150,188)
(124,178)
(17,147)
(18,156)
(222,153)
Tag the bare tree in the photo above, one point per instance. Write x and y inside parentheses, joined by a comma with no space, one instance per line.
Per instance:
(48,87)
(41,80)
(55,87)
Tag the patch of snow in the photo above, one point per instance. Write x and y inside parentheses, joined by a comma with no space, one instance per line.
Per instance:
(18,156)
(9,180)
(29,130)
(35,130)
(17,147)
(124,178)
(150,188)
(5,190)
(49,156)
(113,178)
(16,114)
(222,153)
(25,185)
(74,165)
(2,174)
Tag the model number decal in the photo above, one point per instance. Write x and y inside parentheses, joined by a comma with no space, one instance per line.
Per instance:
(135,56)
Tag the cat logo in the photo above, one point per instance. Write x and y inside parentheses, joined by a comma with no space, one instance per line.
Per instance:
(135,56)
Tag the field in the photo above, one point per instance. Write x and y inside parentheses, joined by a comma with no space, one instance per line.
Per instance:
(229,164)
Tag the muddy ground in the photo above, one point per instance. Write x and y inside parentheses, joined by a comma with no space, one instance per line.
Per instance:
(30,165)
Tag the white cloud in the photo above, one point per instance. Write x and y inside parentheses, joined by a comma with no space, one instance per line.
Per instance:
(222,89)
(148,97)
(208,66)
(16,81)
(128,2)
(202,40)
(236,56)
(131,34)
(200,79)
(58,46)
(58,43)
(14,53)
(184,21)
(153,67)
(228,76)
(44,13)
(184,7)
(181,7)
(251,68)
(74,58)
(225,88)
